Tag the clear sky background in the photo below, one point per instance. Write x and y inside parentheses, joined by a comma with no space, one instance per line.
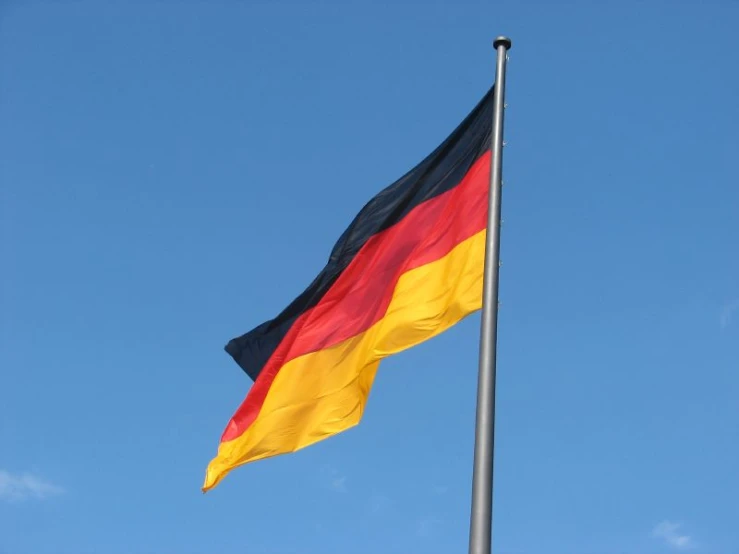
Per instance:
(174,173)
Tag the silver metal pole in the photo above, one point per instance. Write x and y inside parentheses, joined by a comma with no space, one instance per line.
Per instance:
(481,520)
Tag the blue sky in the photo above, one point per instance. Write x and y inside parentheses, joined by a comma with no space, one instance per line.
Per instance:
(172,174)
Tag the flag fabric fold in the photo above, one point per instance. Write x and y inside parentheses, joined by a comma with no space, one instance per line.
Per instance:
(408,267)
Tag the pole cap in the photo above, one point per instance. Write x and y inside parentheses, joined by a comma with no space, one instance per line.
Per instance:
(502,41)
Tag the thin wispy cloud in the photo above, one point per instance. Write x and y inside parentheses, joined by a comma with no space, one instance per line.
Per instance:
(426,526)
(670,533)
(728,313)
(336,481)
(20,486)
(339,484)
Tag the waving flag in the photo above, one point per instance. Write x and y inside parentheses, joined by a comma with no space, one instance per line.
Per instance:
(408,267)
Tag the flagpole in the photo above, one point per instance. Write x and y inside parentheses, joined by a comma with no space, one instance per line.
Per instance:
(481,524)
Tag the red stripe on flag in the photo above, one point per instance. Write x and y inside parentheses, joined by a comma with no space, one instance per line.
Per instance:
(360,296)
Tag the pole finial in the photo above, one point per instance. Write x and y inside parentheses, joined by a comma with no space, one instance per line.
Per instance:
(502,41)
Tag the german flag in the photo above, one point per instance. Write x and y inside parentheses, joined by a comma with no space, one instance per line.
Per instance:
(408,267)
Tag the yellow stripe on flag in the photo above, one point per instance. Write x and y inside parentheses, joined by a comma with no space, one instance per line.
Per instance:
(323,393)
